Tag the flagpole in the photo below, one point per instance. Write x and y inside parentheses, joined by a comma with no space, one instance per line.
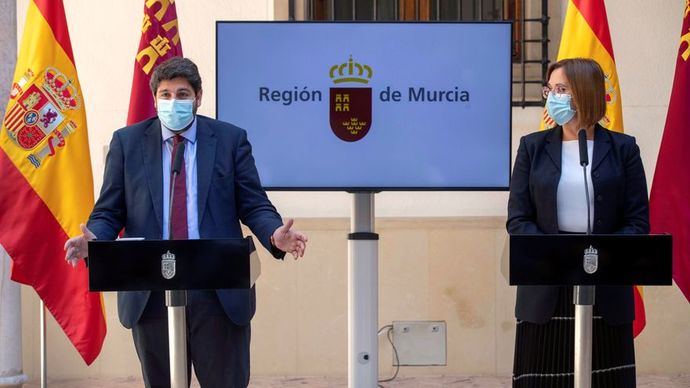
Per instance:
(44,363)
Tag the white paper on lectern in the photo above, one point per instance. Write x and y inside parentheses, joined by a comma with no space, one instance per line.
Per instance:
(254,268)
(505,260)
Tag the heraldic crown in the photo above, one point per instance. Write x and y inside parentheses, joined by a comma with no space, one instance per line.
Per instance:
(591,251)
(168,256)
(60,89)
(351,71)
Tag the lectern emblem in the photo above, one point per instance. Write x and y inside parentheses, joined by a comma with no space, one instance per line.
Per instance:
(168,265)
(591,260)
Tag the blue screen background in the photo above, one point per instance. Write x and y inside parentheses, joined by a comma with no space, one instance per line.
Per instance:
(411,145)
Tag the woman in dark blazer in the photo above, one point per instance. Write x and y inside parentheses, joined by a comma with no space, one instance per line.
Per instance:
(547,196)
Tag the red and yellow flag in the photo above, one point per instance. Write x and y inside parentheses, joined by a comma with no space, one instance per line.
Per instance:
(160,40)
(586,35)
(669,202)
(46,189)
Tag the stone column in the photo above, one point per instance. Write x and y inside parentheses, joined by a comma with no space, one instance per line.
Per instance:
(10,327)
(10,299)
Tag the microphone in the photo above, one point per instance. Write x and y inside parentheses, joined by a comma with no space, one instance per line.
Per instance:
(584,161)
(582,142)
(176,163)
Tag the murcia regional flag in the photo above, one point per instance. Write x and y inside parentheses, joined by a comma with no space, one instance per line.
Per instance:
(160,40)
(669,201)
(46,186)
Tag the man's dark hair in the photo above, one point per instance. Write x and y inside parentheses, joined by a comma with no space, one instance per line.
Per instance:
(173,68)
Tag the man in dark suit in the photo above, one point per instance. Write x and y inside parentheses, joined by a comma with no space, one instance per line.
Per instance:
(217,188)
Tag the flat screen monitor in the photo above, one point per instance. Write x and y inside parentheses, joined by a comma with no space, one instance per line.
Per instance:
(367,106)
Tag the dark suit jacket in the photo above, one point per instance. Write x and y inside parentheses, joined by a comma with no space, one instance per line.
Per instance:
(228,188)
(620,206)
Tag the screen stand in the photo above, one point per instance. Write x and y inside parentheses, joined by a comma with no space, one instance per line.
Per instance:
(362,298)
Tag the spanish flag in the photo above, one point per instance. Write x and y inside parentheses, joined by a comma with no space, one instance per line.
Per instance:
(586,35)
(46,189)
(160,40)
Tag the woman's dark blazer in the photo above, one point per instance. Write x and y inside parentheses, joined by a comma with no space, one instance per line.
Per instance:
(620,207)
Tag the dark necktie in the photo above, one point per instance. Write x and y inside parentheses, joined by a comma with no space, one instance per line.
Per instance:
(178,213)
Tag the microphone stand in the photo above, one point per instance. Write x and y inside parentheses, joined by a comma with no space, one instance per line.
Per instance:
(176,300)
(583,297)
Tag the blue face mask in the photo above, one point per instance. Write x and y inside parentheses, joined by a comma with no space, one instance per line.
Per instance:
(176,115)
(559,108)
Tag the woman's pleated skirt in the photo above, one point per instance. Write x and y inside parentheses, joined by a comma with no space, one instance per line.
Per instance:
(544,353)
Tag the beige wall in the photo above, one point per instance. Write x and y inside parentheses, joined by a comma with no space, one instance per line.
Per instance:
(439,252)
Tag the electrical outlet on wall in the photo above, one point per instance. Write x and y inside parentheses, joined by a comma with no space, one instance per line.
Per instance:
(419,343)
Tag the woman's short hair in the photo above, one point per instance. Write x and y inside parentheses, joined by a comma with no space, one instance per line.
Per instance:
(173,68)
(588,85)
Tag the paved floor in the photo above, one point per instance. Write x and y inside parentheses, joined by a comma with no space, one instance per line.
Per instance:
(645,381)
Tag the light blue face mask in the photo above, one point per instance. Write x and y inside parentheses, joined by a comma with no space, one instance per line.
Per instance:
(176,115)
(559,108)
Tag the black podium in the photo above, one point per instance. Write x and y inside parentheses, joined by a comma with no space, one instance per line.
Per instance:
(621,260)
(158,265)
(173,266)
(585,261)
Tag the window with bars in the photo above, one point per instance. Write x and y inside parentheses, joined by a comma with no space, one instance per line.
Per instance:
(530,27)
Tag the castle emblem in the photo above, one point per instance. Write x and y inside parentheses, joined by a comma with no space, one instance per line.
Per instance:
(168,265)
(590,260)
(350,108)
